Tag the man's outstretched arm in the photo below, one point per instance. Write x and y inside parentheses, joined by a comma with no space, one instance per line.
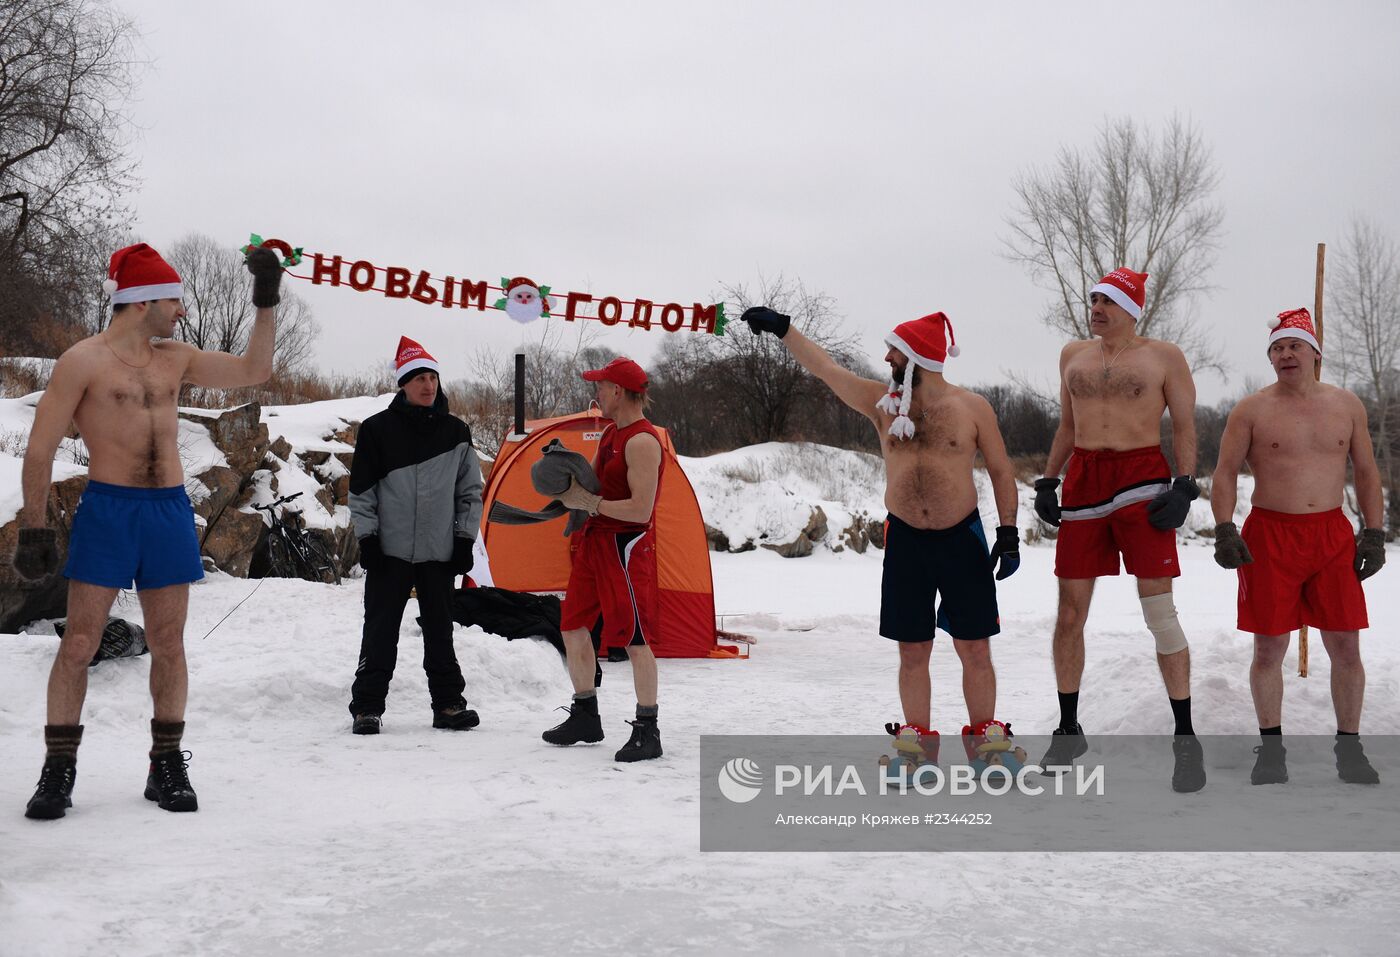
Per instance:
(858,393)
(219,370)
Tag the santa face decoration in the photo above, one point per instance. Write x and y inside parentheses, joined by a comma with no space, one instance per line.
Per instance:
(524,301)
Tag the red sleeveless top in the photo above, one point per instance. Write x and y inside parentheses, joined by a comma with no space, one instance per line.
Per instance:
(611,466)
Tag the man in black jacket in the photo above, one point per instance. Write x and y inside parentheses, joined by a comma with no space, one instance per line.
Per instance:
(415,497)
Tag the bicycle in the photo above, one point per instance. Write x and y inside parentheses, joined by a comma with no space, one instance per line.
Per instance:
(292,552)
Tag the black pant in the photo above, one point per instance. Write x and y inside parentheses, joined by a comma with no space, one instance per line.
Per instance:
(386,594)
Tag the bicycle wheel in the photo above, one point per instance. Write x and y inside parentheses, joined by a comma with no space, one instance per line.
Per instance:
(319,564)
(281,560)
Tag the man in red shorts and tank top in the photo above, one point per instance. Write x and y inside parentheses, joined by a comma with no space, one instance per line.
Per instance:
(613,578)
(1120,498)
(1298,561)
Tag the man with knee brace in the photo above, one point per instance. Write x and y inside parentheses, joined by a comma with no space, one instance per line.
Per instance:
(1298,561)
(1120,497)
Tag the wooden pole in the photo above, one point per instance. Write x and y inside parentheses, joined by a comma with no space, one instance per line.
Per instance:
(1317,320)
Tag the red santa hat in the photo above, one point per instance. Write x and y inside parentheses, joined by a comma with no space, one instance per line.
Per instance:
(1125,287)
(1296,324)
(411,360)
(139,274)
(922,342)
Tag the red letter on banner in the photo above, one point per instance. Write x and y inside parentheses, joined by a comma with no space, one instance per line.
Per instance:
(320,272)
(703,315)
(574,299)
(609,310)
(396,282)
(362,276)
(672,316)
(449,289)
(473,291)
(423,289)
(641,314)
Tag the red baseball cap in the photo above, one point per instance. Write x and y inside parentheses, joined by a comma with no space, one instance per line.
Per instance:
(621,371)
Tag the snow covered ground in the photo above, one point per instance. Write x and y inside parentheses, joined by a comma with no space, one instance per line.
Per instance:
(312,841)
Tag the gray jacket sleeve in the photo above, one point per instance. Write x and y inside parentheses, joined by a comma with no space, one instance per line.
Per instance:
(467,517)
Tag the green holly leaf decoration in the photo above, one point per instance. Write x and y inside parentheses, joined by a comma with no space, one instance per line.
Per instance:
(504,283)
(255,240)
(544,291)
(720,319)
(292,260)
(499,303)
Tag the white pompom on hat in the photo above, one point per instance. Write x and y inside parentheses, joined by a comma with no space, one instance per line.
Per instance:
(923,342)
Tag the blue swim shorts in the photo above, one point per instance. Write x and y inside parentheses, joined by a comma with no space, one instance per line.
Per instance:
(146,534)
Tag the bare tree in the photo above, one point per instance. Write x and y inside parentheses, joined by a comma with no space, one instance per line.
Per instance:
(219,312)
(1364,309)
(66,71)
(1133,199)
(762,383)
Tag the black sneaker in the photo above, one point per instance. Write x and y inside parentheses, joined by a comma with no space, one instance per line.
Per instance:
(54,795)
(169,785)
(1269,766)
(366,724)
(1189,773)
(645,742)
(1352,766)
(457,717)
(582,724)
(1066,745)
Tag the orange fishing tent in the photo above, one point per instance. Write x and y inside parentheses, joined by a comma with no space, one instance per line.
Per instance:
(535,558)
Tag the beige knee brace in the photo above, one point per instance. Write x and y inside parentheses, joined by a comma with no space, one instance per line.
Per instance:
(1160,614)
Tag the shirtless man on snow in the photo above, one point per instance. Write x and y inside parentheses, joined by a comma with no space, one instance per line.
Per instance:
(134,522)
(930,433)
(1120,497)
(1298,562)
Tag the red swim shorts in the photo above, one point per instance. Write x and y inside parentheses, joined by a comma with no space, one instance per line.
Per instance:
(1302,573)
(1103,513)
(613,578)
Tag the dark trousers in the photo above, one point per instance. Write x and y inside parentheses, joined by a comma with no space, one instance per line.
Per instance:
(386,594)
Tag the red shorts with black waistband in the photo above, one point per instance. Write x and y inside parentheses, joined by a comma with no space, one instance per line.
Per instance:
(1103,513)
(1302,574)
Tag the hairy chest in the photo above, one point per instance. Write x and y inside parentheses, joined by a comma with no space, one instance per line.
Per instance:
(1124,380)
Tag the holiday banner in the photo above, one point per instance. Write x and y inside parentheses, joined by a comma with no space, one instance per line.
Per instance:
(521,298)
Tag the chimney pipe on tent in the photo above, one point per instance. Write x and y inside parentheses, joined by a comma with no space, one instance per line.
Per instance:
(520,390)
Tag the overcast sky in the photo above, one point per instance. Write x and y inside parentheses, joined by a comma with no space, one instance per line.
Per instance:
(660,149)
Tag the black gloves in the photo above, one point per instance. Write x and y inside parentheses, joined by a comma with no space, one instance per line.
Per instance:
(462,557)
(763,319)
(1169,510)
(267,277)
(1230,549)
(371,555)
(36,553)
(1370,552)
(1047,503)
(1007,551)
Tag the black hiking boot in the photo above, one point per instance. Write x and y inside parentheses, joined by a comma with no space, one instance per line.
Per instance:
(368,724)
(169,785)
(1189,772)
(1269,766)
(582,724)
(1066,745)
(644,744)
(1352,766)
(54,795)
(457,717)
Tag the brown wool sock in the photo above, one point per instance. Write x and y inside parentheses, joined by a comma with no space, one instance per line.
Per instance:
(165,736)
(62,740)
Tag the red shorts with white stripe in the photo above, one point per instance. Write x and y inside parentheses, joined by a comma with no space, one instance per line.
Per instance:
(1302,574)
(1103,513)
(613,578)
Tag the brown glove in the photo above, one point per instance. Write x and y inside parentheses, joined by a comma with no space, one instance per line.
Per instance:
(36,554)
(1230,550)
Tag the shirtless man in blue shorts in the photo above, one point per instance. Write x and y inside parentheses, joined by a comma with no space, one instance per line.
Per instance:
(134,523)
(930,433)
